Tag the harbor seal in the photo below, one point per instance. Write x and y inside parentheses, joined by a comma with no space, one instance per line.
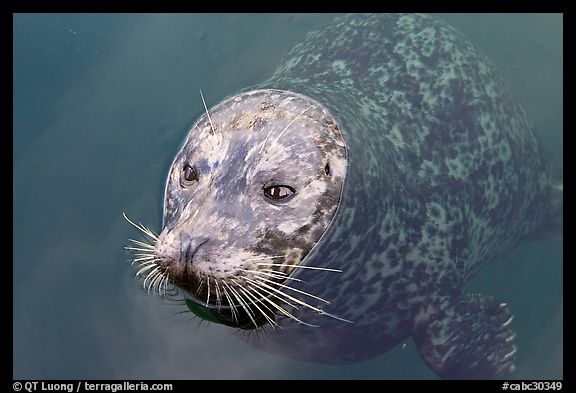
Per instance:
(341,205)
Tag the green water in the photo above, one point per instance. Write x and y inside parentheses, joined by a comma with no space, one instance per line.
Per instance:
(101,103)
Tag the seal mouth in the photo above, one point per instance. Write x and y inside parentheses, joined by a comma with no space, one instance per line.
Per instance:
(247,299)
(253,299)
(244,315)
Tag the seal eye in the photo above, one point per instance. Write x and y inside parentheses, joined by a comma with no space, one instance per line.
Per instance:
(189,175)
(278,193)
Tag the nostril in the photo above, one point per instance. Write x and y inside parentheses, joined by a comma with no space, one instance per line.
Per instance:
(189,245)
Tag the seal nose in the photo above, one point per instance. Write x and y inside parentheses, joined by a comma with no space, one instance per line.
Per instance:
(189,245)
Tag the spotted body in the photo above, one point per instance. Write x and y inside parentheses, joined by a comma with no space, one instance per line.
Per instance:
(444,175)
(385,150)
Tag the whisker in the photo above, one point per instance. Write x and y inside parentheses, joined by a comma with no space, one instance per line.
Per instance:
(273,275)
(147,267)
(270,320)
(285,128)
(161,284)
(152,273)
(243,305)
(200,284)
(287,301)
(166,284)
(208,291)
(146,250)
(146,253)
(230,302)
(218,301)
(281,275)
(143,255)
(298,300)
(326,269)
(147,263)
(202,136)
(141,227)
(275,272)
(154,280)
(143,259)
(289,124)
(259,259)
(255,295)
(259,296)
(157,283)
(146,245)
(142,263)
(294,289)
(277,306)
(207,114)
(151,233)
(280,308)
(151,277)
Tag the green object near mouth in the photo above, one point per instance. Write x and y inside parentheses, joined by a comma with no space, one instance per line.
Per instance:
(202,312)
(224,317)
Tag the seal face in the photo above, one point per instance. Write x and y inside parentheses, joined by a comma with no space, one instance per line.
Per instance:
(251,191)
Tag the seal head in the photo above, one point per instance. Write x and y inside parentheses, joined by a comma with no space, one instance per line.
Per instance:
(252,190)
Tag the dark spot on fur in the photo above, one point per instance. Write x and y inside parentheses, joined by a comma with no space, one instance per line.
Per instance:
(265,105)
(257,124)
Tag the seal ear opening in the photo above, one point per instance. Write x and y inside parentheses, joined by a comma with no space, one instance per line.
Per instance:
(327,169)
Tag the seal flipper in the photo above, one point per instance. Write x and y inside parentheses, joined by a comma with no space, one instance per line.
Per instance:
(466,337)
